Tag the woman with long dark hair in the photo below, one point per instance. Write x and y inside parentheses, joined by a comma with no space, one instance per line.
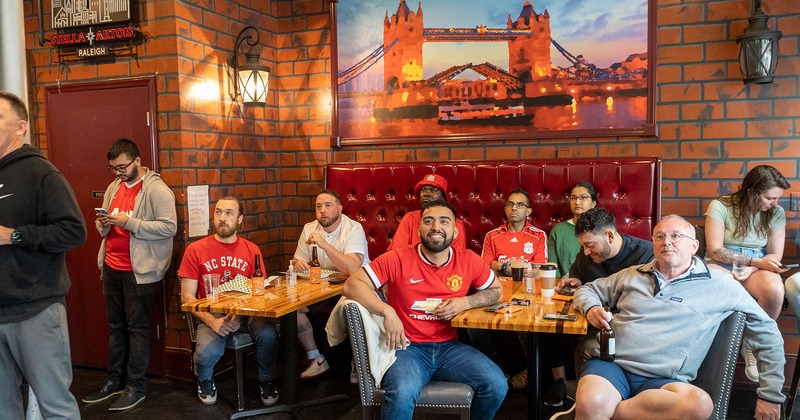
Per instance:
(745,233)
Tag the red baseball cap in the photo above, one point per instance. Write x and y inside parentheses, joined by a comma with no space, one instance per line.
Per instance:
(437,181)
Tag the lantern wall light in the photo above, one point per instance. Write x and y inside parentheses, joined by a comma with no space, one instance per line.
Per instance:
(251,79)
(758,48)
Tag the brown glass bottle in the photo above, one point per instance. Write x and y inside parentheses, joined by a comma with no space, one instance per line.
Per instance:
(314,270)
(257,282)
(608,343)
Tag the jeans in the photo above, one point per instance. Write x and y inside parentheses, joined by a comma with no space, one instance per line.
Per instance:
(793,294)
(37,349)
(128,307)
(450,361)
(211,346)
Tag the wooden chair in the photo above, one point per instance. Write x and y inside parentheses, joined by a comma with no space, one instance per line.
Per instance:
(240,342)
(715,375)
(436,397)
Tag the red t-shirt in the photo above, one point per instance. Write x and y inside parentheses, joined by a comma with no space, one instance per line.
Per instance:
(208,255)
(530,243)
(412,277)
(407,234)
(118,241)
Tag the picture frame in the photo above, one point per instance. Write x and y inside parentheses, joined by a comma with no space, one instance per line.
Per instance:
(470,70)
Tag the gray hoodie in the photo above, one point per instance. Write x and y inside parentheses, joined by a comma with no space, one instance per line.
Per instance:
(152,224)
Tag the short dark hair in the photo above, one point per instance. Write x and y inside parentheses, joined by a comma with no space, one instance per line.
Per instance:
(331,192)
(520,190)
(121,146)
(17,104)
(596,220)
(236,199)
(440,203)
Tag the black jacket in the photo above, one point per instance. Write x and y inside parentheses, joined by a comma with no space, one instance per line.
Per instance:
(35,199)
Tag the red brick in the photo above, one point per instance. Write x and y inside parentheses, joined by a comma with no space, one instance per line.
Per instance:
(785,148)
(698,188)
(678,170)
(704,71)
(727,10)
(705,33)
(721,170)
(680,93)
(679,131)
(670,35)
(787,167)
(700,150)
(662,149)
(713,91)
(702,111)
(680,54)
(680,14)
(770,128)
(746,149)
(748,109)
(723,130)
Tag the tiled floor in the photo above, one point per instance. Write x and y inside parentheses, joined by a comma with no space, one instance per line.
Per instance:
(166,400)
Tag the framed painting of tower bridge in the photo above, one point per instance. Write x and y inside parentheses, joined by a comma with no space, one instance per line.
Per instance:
(463,70)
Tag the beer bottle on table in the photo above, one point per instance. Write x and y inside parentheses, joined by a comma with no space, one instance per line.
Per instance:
(314,270)
(257,282)
(607,342)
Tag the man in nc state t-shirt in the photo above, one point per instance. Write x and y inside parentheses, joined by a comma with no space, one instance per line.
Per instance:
(210,256)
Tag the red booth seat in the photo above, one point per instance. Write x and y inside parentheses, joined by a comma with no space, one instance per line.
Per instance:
(378,195)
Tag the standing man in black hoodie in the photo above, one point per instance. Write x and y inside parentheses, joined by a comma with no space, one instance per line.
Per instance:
(39,222)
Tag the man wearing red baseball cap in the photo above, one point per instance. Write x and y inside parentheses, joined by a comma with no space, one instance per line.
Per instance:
(432,187)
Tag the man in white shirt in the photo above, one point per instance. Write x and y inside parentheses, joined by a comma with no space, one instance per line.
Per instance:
(342,246)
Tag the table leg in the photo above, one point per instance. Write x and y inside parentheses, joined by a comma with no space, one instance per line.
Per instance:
(534,383)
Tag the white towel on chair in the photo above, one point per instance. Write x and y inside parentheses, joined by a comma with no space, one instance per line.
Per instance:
(380,356)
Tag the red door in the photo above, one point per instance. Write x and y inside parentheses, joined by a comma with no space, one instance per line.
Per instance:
(82,121)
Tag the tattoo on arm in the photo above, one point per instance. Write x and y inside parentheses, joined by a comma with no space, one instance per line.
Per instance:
(484,297)
(729,257)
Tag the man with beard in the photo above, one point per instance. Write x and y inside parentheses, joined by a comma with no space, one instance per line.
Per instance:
(342,246)
(228,255)
(427,286)
(137,231)
(432,187)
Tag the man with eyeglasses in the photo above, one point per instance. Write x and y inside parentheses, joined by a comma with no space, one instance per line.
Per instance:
(517,237)
(666,314)
(137,229)
(433,187)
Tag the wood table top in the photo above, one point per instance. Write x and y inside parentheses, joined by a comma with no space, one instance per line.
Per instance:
(277,300)
(522,318)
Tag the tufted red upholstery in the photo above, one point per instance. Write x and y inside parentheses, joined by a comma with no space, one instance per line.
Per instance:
(378,195)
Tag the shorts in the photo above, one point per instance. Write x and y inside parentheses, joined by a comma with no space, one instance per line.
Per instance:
(627,384)
(747,252)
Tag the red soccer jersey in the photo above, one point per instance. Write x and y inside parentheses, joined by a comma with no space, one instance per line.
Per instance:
(209,255)
(407,233)
(412,278)
(501,245)
(118,241)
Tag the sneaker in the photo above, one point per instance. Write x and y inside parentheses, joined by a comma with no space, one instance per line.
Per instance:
(520,380)
(269,394)
(314,368)
(129,398)
(750,364)
(565,415)
(353,373)
(555,396)
(207,391)
(110,389)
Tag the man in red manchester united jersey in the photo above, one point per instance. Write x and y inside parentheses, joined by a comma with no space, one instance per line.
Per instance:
(427,286)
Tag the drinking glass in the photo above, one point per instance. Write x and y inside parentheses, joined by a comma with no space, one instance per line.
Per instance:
(517,268)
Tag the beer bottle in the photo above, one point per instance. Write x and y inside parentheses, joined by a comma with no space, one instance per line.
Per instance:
(607,342)
(314,270)
(257,282)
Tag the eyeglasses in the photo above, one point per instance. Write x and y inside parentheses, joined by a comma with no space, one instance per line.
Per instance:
(119,168)
(579,197)
(673,237)
(519,204)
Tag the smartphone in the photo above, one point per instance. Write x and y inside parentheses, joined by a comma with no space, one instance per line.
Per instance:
(567,291)
(790,265)
(100,210)
(493,308)
(559,317)
(522,302)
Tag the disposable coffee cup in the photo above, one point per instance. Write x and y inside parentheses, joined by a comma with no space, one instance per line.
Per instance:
(548,274)
(517,268)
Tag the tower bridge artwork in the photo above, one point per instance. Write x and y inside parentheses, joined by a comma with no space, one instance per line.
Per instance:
(523,73)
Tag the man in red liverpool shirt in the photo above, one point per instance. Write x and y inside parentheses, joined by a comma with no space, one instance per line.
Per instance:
(427,286)
(515,238)
(137,229)
(432,187)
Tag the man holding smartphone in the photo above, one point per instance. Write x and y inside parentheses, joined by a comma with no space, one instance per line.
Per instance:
(137,227)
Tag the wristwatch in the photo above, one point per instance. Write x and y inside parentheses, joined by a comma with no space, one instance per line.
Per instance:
(16,237)
(503,267)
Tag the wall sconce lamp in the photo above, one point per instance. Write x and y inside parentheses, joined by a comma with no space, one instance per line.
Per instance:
(251,79)
(758,48)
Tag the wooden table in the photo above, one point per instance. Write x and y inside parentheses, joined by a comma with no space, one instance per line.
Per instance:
(524,320)
(278,301)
